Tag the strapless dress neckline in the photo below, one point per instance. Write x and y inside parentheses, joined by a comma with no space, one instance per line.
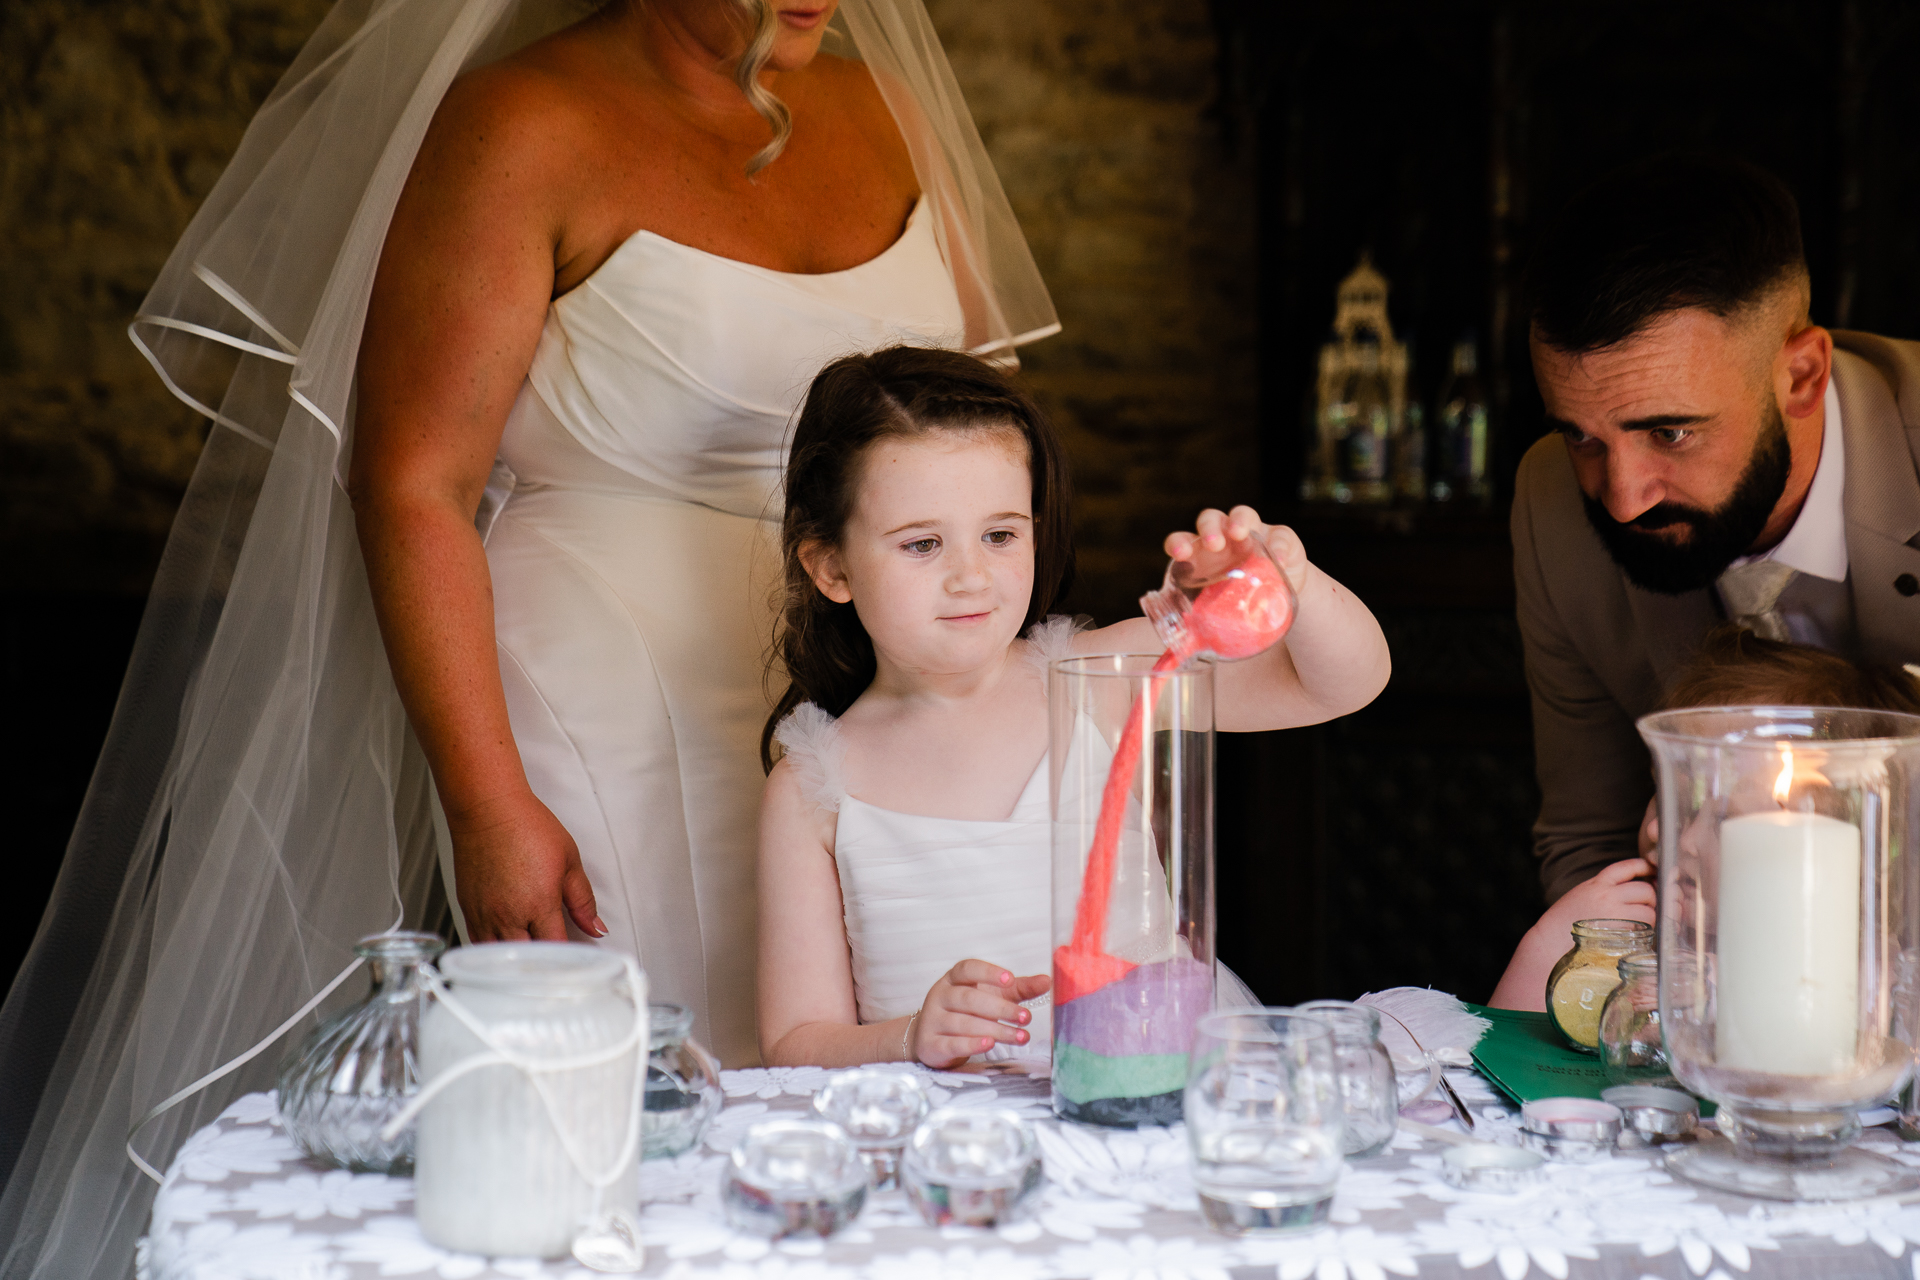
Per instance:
(879,261)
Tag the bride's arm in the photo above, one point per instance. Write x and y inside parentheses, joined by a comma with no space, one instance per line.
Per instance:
(457,308)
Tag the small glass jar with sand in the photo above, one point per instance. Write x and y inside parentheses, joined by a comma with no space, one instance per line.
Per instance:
(1581,981)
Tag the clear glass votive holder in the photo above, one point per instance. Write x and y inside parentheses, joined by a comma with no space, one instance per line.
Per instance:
(971,1168)
(683,1092)
(1265,1123)
(1369,1093)
(878,1108)
(793,1177)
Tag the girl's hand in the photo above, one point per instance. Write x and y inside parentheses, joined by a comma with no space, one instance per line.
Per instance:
(1618,891)
(1650,832)
(974,1006)
(1219,540)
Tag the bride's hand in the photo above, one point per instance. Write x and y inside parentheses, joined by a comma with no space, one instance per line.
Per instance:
(973,1006)
(519,875)
(1219,539)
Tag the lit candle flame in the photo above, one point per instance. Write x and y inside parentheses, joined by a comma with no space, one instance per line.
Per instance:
(1783,785)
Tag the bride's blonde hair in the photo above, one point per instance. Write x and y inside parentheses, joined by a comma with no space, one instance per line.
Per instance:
(753,60)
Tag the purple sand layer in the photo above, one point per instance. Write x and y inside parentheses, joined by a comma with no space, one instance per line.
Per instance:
(1152,1009)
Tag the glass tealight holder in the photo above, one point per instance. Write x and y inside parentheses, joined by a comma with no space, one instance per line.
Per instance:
(969,1167)
(793,1177)
(342,1084)
(1582,979)
(1264,1120)
(683,1086)
(1788,906)
(878,1108)
(1631,1047)
(1369,1093)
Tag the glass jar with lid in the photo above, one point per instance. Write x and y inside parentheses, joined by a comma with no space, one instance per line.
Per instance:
(1582,979)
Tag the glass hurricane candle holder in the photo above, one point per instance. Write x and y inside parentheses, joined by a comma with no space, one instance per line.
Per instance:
(1784,914)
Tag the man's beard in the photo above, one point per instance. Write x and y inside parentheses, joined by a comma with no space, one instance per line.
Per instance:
(1717,538)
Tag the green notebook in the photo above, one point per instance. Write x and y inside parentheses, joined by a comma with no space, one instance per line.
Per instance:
(1526,1057)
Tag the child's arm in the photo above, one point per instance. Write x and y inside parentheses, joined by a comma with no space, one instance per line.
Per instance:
(1334,661)
(1616,892)
(808,1013)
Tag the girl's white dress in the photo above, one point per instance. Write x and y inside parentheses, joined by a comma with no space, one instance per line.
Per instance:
(632,534)
(921,894)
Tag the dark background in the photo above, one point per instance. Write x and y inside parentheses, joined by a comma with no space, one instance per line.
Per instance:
(1438,137)
(1391,847)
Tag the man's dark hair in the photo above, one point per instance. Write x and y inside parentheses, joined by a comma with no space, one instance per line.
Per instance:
(1675,231)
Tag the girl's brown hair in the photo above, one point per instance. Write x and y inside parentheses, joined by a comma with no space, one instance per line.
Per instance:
(1737,668)
(855,402)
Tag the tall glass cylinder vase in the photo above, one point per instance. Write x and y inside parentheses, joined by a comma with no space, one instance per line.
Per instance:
(1132,768)
(1788,901)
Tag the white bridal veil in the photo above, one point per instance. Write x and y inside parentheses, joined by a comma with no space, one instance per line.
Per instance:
(260,802)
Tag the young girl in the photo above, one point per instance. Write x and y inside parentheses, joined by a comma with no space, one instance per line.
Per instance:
(905,833)
(1734,668)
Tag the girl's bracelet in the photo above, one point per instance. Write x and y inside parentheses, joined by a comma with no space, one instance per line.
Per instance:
(906,1037)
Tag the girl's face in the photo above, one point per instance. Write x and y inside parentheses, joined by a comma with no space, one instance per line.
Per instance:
(938,555)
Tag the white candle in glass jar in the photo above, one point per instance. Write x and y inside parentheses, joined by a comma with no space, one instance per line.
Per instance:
(1789,944)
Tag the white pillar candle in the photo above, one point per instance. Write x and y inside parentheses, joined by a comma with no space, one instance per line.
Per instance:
(1789,946)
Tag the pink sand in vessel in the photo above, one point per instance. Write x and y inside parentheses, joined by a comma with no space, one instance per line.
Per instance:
(1245,611)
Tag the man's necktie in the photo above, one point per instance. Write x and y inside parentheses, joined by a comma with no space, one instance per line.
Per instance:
(1751,593)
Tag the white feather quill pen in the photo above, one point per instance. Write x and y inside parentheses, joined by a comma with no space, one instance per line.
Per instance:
(1424,1030)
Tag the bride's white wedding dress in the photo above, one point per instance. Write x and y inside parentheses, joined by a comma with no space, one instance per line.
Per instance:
(634,555)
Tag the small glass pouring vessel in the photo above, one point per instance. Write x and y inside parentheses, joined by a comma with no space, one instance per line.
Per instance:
(1229,604)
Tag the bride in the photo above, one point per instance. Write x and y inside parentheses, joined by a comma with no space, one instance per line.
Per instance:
(546,322)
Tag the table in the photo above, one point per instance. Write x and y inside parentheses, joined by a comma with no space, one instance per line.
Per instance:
(241,1203)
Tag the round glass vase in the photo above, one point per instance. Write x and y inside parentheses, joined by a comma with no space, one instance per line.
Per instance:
(1131,765)
(1582,979)
(1785,917)
(342,1084)
(683,1086)
(1631,1047)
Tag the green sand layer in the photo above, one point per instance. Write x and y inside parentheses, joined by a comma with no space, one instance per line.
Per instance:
(1080,1075)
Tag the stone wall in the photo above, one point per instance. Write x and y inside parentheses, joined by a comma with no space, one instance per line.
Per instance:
(116,118)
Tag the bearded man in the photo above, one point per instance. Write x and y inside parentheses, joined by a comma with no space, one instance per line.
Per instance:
(1715,455)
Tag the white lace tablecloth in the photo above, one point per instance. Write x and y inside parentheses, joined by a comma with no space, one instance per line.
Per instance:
(240,1203)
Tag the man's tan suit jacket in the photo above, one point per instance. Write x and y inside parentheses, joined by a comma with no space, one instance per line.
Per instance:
(1601,651)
